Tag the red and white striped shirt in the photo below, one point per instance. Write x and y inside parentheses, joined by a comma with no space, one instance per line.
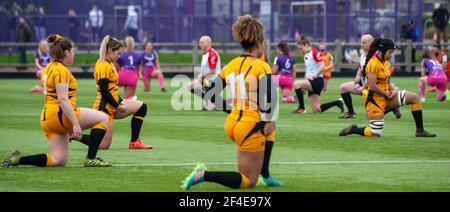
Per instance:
(211,61)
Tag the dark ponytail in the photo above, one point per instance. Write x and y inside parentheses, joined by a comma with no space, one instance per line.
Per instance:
(283,46)
(58,45)
(373,49)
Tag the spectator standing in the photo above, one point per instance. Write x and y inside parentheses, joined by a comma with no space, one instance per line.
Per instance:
(40,25)
(410,32)
(95,22)
(23,37)
(13,25)
(440,20)
(74,25)
(131,24)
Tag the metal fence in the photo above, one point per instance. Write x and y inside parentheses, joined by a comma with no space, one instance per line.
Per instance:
(185,20)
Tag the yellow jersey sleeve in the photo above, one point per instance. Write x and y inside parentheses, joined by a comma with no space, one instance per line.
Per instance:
(61,75)
(224,72)
(267,69)
(102,70)
(263,69)
(371,67)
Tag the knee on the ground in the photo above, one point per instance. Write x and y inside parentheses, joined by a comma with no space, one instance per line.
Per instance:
(61,161)
(105,145)
(316,110)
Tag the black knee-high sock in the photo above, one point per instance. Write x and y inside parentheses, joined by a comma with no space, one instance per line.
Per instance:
(267,153)
(136,125)
(34,160)
(84,140)
(301,103)
(359,131)
(228,179)
(136,122)
(348,102)
(418,119)
(95,139)
(328,105)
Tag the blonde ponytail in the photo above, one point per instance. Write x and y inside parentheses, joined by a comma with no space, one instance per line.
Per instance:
(103,45)
(129,43)
(108,43)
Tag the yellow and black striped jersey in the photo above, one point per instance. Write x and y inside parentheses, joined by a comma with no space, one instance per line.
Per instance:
(54,73)
(382,71)
(242,76)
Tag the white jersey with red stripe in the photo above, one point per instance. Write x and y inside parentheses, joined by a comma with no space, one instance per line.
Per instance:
(211,61)
(312,60)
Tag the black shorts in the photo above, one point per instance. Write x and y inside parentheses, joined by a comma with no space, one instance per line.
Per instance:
(317,86)
(441,27)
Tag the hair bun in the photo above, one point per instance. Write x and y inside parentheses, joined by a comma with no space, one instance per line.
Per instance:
(54,38)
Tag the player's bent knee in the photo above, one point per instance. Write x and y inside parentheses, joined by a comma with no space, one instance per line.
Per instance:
(342,89)
(105,145)
(104,119)
(59,161)
(402,98)
(415,97)
(297,85)
(142,112)
(316,110)
(252,183)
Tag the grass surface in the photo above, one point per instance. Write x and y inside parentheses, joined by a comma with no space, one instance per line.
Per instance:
(307,156)
(165,58)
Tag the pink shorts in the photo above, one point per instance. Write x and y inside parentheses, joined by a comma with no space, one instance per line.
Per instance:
(440,81)
(147,72)
(284,82)
(128,78)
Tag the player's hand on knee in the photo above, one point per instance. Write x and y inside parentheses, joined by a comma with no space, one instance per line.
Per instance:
(77,133)
(269,127)
(391,94)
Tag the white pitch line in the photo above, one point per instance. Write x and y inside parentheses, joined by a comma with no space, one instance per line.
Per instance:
(283,163)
